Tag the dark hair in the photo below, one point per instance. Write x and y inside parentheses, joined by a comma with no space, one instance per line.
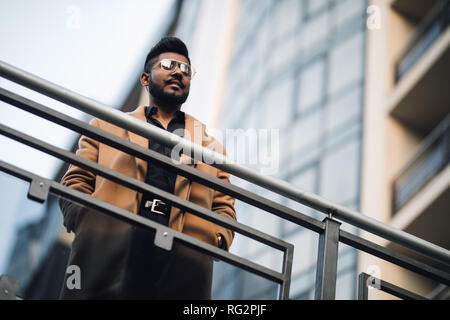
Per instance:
(166,44)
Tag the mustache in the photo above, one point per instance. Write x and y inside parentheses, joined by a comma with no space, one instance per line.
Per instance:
(174,80)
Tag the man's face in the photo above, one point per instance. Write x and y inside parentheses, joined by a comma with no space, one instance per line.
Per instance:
(170,87)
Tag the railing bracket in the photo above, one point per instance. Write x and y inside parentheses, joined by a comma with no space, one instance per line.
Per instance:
(8,288)
(164,239)
(330,213)
(38,190)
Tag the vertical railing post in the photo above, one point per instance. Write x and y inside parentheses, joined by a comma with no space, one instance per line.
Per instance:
(363,288)
(287,270)
(327,261)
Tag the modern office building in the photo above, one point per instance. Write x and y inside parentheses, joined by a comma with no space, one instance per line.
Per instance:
(344,98)
(357,90)
(297,67)
(406,181)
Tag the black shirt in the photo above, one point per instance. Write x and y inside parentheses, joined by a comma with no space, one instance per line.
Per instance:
(157,176)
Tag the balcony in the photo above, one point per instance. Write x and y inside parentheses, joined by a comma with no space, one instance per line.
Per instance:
(422,74)
(431,159)
(421,191)
(414,10)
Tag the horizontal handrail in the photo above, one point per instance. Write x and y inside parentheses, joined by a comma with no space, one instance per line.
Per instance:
(365,280)
(150,155)
(163,233)
(169,198)
(210,181)
(142,187)
(394,257)
(218,160)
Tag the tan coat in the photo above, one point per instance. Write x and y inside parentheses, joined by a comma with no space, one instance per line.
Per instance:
(133,167)
(116,258)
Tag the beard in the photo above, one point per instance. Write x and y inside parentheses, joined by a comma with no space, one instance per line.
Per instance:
(169,101)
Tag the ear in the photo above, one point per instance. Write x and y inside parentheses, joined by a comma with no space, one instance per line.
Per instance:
(144,78)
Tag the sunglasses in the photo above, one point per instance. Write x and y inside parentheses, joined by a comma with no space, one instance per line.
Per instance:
(171,64)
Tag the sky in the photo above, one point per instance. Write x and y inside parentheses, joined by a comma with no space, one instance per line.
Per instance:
(95,48)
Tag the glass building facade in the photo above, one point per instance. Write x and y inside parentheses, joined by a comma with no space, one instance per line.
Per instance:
(297,66)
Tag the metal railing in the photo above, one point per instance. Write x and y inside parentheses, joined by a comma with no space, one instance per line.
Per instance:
(432,156)
(40,188)
(329,229)
(365,281)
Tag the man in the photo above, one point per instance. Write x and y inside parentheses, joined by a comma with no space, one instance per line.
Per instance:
(116,259)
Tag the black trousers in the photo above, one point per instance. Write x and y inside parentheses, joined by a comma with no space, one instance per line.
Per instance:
(154,273)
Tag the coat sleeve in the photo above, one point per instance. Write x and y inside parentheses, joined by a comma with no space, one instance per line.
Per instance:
(79,179)
(224,205)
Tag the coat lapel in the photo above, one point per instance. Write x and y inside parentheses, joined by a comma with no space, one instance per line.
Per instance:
(141,165)
(193,133)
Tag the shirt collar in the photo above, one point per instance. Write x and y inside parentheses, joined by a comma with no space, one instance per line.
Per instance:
(178,116)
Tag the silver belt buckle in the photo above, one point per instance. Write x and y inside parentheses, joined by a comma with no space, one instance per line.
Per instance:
(154,203)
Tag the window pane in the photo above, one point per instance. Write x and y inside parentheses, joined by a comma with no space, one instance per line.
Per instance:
(302,286)
(256,287)
(284,55)
(311,85)
(287,16)
(278,105)
(339,178)
(315,32)
(348,9)
(343,109)
(345,285)
(306,181)
(305,132)
(316,5)
(346,64)
(305,250)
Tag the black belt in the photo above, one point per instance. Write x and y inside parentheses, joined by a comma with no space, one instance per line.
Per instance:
(157,206)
